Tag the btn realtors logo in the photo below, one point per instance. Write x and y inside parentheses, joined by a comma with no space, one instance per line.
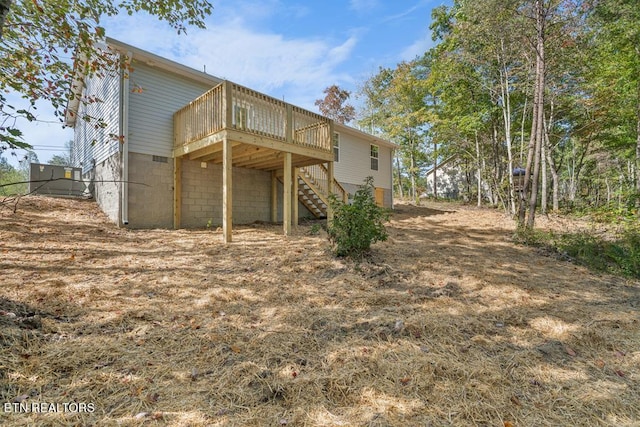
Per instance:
(45,407)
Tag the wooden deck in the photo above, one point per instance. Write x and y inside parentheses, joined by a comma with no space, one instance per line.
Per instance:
(239,127)
(260,128)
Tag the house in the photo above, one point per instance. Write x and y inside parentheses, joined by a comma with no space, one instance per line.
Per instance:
(449,178)
(180,148)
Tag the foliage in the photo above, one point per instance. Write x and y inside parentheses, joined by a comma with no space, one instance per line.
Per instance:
(356,226)
(64,159)
(334,105)
(619,254)
(398,104)
(9,175)
(60,160)
(315,229)
(476,94)
(43,44)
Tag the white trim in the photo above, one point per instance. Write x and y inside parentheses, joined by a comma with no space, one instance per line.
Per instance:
(377,157)
(365,136)
(124,143)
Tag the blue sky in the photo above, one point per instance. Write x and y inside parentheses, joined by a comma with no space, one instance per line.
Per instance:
(289,49)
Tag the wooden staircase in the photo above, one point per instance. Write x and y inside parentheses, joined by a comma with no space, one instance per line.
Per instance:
(313,189)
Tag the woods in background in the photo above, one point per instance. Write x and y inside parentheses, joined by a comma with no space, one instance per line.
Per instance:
(551,86)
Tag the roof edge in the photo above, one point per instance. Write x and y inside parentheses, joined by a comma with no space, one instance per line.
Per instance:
(161,62)
(375,139)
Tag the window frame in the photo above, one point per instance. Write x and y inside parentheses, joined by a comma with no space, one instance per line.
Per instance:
(374,153)
(336,147)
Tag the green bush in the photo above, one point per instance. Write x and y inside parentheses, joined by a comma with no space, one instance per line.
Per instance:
(619,254)
(356,226)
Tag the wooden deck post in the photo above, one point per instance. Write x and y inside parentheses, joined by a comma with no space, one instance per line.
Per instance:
(286,197)
(294,197)
(227,191)
(329,189)
(274,196)
(177,192)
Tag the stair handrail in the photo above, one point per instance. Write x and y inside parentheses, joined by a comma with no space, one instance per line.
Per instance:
(319,174)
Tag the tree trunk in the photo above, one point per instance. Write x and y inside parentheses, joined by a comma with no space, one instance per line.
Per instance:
(435,170)
(522,209)
(414,193)
(506,115)
(478,171)
(538,119)
(399,169)
(552,167)
(524,117)
(638,149)
(5,6)
(543,187)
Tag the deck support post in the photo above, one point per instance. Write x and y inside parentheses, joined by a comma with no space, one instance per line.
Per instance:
(286,197)
(227,190)
(274,196)
(294,197)
(177,192)
(329,190)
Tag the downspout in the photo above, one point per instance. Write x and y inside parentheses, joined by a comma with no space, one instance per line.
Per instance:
(124,141)
(393,152)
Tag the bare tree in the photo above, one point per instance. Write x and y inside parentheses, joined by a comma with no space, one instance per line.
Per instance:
(334,105)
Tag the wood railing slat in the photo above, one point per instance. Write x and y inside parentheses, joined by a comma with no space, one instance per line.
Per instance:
(257,114)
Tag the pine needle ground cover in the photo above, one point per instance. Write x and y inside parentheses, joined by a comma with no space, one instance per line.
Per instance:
(448,323)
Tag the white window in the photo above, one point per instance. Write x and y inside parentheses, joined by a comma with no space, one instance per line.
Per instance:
(374,157)
(336,147)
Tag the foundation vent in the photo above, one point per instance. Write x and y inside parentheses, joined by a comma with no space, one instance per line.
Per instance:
(160,159)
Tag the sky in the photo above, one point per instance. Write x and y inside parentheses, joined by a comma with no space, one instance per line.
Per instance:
(289,49)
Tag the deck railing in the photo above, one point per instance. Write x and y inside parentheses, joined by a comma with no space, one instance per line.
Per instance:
(231,106)
(319,176)
(200,118)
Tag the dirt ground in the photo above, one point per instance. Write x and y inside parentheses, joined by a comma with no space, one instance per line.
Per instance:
(448,323)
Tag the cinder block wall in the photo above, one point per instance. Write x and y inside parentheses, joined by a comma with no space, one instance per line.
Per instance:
(202,195)
(104,185)
(150,191)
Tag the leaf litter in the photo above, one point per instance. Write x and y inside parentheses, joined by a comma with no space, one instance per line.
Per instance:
(447,323)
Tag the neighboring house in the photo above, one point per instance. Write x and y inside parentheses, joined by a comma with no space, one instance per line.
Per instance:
(449,177)
(181,148)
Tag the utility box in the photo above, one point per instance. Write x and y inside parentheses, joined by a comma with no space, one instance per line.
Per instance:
(54,180)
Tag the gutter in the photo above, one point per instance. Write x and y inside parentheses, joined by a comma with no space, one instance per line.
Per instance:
(124,142)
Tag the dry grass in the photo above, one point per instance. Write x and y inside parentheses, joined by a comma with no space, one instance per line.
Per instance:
(448,323)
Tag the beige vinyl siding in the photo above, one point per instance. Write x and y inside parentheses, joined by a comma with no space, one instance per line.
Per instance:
(155,95)
(355,162)
(93,143)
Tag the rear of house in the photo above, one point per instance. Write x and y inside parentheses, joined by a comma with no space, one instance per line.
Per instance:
(359,155)
(142,178)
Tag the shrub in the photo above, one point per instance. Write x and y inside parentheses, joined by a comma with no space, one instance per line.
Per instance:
(356,226)
(619,254)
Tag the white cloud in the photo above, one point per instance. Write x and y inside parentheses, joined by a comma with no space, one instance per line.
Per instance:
(417,48)
(298,68)
(363,6)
